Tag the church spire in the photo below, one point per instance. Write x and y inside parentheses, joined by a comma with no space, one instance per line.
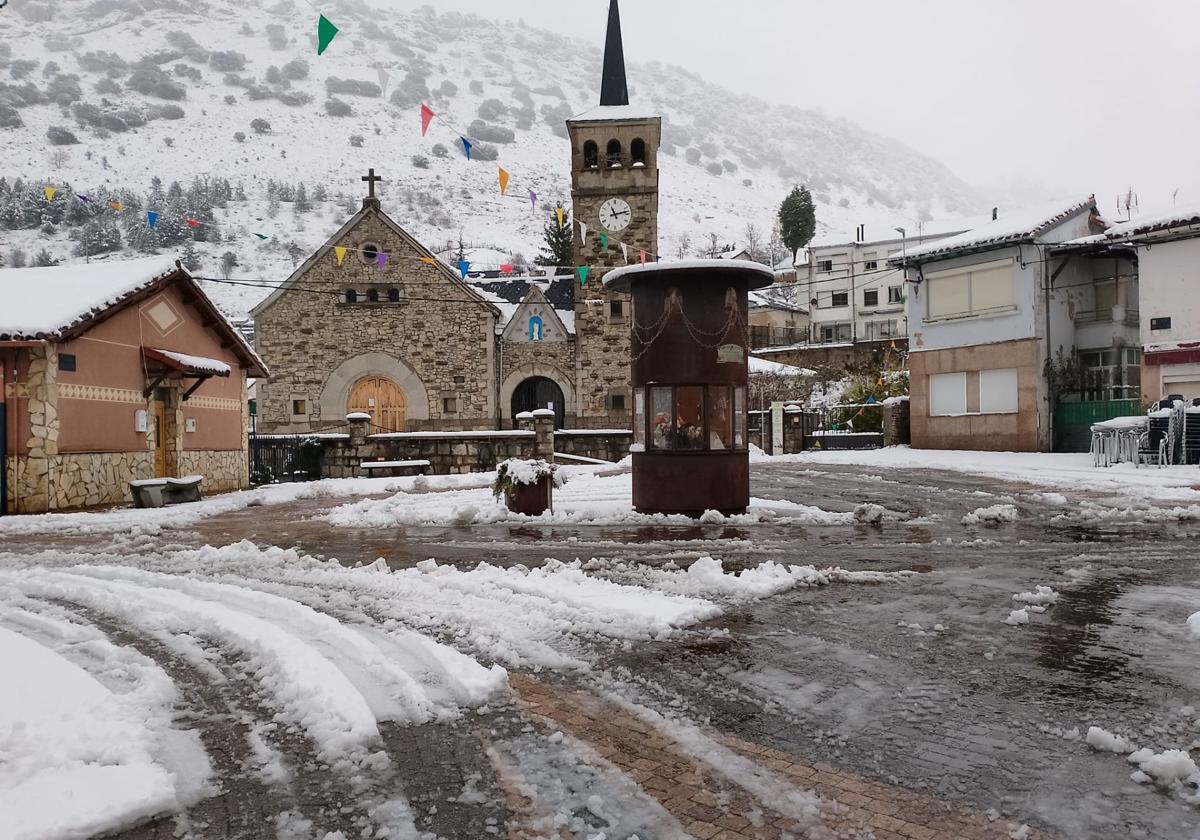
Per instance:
(613,89)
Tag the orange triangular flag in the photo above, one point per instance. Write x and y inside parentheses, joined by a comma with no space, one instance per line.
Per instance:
(340,253)
(503,181)
(428,260)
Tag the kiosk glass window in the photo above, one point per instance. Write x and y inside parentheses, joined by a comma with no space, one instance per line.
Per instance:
(689,417)
(639,418)
(739,417)
(720,417)
(662,416)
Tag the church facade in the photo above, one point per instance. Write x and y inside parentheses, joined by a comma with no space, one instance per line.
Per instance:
(373,322)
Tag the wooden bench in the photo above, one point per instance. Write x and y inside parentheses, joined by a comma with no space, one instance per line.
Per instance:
(395,469)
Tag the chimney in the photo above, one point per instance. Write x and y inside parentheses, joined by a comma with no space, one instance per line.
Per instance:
(613,88)
(995,213)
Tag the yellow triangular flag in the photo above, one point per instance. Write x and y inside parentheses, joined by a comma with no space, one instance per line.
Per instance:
(558,212)
(428,260)
(503,181)
(50,191)
(116,205)
(340,253)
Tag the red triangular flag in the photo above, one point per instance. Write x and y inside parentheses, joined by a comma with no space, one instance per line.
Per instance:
(427,116)
(192,223)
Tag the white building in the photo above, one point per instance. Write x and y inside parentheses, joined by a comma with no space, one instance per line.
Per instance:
(853,294)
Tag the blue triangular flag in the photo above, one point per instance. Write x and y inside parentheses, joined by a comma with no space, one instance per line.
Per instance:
(463,268)
(152,219)
(466,146)
(870,400)
(84,199)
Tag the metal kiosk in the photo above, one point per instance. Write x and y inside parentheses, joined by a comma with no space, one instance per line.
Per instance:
(689,375)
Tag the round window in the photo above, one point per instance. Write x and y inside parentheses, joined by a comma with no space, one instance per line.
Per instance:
(369,252)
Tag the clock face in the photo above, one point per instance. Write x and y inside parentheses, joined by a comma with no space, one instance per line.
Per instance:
(615,214)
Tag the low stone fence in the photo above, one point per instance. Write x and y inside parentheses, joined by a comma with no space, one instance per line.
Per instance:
(457,452)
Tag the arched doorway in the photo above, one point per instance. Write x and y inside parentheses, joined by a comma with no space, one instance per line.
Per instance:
(539,392)
(382,399)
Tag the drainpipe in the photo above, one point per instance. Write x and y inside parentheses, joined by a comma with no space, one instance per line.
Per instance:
(1048,281)
(3,436)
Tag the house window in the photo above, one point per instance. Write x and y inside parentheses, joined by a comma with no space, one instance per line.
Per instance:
(981,290)
(870,264)
(616,309)
(895,294)
(947,394)
(1160,324)
(998,391)
(825,265)
(616,402)
(299,407)
(351,296)
(460,380)
(591,155)
(372,295)
(449,405)
(369,253)
(837,299)
(536,329)
(66,362)
(613,155)
(835,333)
(870,297)
(393,295)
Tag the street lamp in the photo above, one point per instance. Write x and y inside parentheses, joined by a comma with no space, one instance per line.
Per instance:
(903,250)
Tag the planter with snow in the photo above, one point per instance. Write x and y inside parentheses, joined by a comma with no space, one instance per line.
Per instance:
(527,486)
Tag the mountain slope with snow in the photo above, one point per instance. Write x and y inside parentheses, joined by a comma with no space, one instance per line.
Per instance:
(163,88)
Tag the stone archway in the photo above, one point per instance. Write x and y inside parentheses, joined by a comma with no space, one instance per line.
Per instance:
(335,395)
(531,371)
(539,392)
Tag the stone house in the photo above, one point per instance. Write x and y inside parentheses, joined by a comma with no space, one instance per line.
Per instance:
(990,310)
(116,371)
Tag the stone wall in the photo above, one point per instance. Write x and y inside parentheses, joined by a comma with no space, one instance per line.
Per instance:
(553,360)
(896,423)
(607,445)
(223,470)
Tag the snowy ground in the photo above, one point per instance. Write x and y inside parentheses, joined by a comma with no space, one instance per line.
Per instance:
(951,643)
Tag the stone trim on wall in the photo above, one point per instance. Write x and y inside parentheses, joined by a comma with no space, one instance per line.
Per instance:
(223,470)
(336,391)
(100,393)
(215,403)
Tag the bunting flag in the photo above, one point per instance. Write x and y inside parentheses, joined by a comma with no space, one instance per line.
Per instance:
(50,191)
(429,260)
(84,199)
(503,180)
(193,224)
(533,199)
(325,33)
(463,268)
(466,144)
(506,268)
(625,252)
(427,116)
(642,257)
(582,271)
(261,236)
(893,344)
(604,241)
(583,233)
(340,253)
(152,219)
(871,400)
(558,212)
(116,205)
(382,259)
(384,78)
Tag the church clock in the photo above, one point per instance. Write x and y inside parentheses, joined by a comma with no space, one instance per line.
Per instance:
(615,214)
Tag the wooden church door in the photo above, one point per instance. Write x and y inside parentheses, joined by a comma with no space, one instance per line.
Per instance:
(383,400)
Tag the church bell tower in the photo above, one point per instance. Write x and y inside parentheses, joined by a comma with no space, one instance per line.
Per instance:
(614,193)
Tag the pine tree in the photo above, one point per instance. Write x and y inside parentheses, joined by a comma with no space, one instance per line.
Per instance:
(301,204)
(44,258)
(559,247)
(190,258)
(797,219)
(99,236)
(319,193)
(229,262)
(1,259)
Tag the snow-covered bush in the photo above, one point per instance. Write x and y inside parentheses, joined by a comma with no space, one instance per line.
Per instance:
(152,81)
(420,161)
(227,61)
(260,126)
(297,69)
(9,117)
(482,151)
(356,140)
(352,87)
(491,109)
(239,136)
(491,133)
(338,108)
(476,86)
(59,136)
(107,87)
(516,471)
(715,169)
(276,36)
(186,44)
(22,68)
(448,89)
(439,149)
(187,71)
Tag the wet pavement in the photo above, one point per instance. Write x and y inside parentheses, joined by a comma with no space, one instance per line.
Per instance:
(917,692)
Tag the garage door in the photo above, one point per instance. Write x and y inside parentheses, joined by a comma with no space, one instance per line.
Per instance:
(1190,388)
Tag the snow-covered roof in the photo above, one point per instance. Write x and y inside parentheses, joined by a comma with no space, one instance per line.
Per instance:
(507,294)
(38,303)
(913,232)
(1009,229)
(1187,217)
(778,297)
(615,112)
(758,365)
(195,364)
(758,274)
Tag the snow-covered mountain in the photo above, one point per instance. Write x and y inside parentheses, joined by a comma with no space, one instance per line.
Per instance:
(170,88)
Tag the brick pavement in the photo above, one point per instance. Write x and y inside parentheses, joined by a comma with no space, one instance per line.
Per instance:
(711,807)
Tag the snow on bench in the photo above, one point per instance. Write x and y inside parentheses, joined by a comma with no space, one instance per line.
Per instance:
(392,465)
(579,459)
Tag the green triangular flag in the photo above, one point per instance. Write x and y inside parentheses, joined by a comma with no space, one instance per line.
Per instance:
(325,32)
(261,236)
(604,241)
(583,274)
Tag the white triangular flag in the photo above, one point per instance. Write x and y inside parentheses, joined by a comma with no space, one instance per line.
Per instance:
(625,252)
(583,233)
(384,78)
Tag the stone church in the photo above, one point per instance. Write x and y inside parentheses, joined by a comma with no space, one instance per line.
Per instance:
(373,322)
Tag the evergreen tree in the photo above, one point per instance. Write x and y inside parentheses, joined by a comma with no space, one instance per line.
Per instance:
(190,258)
(17,256)
(319,193)
(229,262)
(1,259)
(44,258)
(99,236)
(240,193)
(797,219)
(559,247)
(301,204)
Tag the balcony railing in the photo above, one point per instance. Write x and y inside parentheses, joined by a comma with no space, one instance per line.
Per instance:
(1109,315)
(777,336)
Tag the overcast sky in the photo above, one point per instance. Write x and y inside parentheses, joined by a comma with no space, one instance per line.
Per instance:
(1066,96)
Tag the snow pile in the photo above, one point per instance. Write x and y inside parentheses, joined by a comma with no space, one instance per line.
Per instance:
(707,576)
(1193,623)
(1105,741)
(1017,617)
(1041,596)
(992,516)
(79,759)
(1167,768)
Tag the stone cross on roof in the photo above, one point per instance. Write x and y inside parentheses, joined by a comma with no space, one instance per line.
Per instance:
(371,178)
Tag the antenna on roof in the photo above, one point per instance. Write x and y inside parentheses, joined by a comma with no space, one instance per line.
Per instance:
(1174,196)
(1128,204)
(995,213)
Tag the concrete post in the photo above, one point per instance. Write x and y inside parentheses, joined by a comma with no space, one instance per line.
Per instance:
(525,421)
(543,435)
(360,427)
